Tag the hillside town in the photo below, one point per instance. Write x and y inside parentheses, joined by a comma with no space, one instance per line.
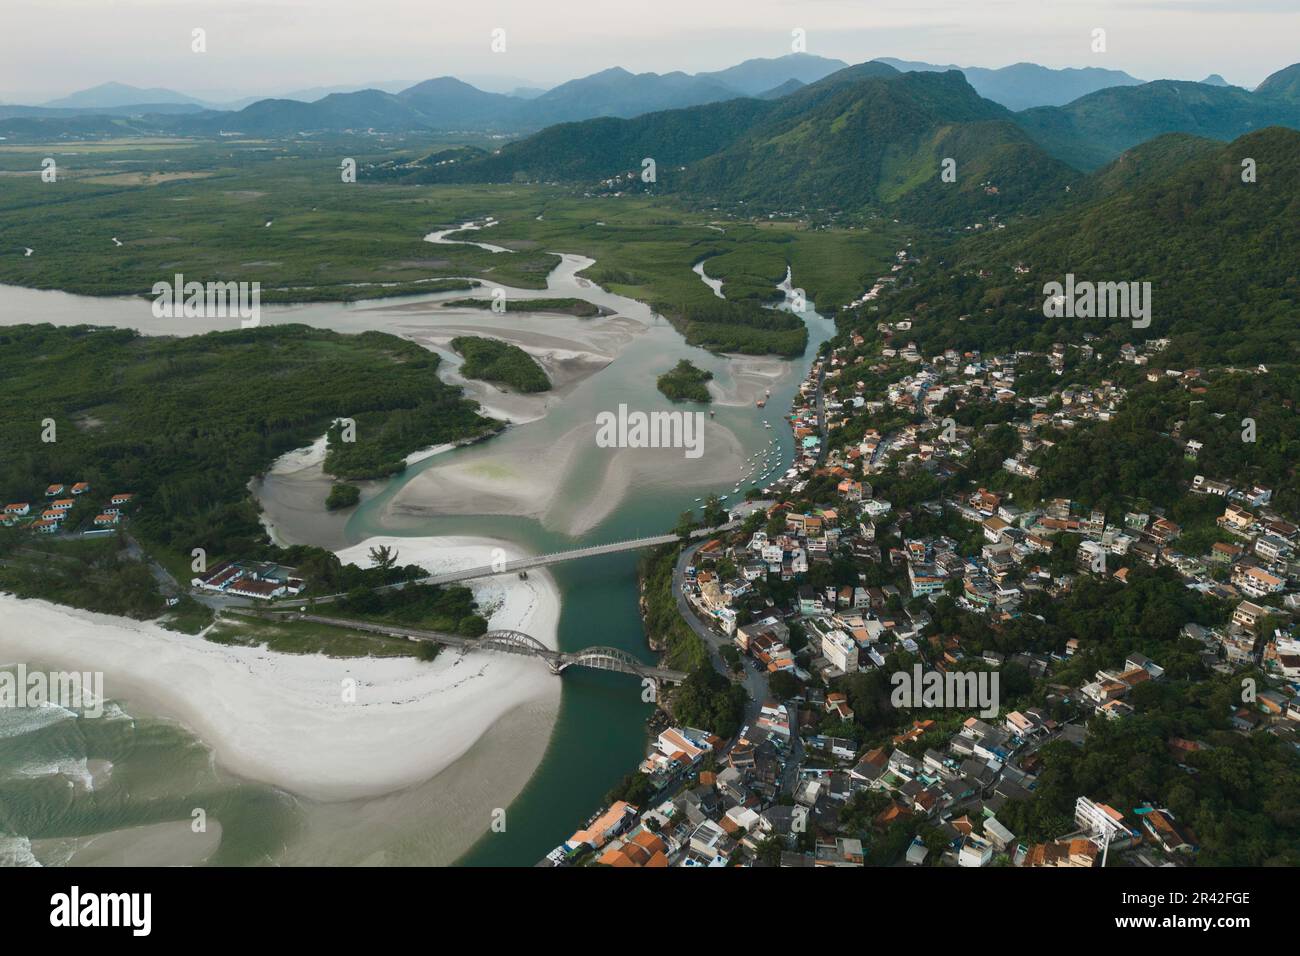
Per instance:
(802,780)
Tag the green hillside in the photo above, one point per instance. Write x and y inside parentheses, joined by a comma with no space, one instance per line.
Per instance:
(1219,253)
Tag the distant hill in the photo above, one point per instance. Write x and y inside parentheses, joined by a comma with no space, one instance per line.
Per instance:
(1285,83)
(1219,254)
(758,76)
(785,89)
(617,92)
(865,137)
(878,141)
(1096,128)
(108,95)
(1214,79)
(1148,163)
(1024,85)
(601,148)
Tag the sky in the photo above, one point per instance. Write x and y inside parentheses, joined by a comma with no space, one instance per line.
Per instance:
(264,47)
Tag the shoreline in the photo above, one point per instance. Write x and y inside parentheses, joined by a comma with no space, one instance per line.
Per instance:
(280,719)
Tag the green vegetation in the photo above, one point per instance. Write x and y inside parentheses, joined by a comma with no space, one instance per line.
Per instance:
(91,573)
(342,496)
(1093,129)
(208,205)
(450,609)
(306,637)
(495,361)
(686,383)
(709,701)
(734,327)
(665,629)
(185,423)
(579,307)
(605,147)
(1223,285)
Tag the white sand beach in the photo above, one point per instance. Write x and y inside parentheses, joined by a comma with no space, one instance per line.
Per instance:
(282,719)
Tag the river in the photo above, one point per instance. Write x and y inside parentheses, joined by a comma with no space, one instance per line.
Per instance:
(599,733)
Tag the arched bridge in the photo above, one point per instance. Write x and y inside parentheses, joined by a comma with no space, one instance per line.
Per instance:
(507,642)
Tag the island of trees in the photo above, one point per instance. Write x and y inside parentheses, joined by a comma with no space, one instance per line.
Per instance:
(686,383)
(492,360)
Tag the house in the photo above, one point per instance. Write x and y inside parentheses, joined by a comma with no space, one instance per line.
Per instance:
(1250,615)
(1257,582)
(81,487)
(842,851)
(106,520)
(710,841)
(253,588)
(1078,853)
(62,504)
(53,491)
(614,820)
(120,499)
(975,852)
(838,704)
(644,850)
(44,526)
(1162,828)
(18,509)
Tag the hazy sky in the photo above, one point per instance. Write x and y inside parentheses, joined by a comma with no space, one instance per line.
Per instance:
(52,47)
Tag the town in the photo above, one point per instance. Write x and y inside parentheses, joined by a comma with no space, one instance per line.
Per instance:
(812,608)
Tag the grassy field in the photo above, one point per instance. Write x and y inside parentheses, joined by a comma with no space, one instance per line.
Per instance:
(307,637)
(278,213)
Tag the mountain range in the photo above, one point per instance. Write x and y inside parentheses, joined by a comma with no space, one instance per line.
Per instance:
(447,103)
(1024,85)
(870,138)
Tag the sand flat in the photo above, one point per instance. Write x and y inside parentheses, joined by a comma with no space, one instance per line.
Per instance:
(282,719)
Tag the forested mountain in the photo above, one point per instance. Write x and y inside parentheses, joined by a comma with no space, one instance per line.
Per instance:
(754,77)
(1096,128)
(111,95)
(616,92)
(866,137)
(599,148)
(1219,253)
(856,143)
(1025,85)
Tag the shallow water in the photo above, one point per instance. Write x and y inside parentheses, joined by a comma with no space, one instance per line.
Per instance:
(158,771)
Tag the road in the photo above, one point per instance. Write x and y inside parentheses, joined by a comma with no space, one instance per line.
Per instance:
(524,564)
(754,680)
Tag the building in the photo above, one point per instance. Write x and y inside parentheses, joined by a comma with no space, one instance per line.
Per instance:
(1105,823)
(1257,582)
(1249,615)
(840,650)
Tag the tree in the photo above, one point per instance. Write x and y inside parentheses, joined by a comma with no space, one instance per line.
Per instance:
(383,557)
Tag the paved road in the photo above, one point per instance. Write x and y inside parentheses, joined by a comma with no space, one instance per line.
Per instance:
(523,564)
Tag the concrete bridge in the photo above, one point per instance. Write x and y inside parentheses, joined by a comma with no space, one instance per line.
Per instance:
(573,554)
(524,564)
(505,642)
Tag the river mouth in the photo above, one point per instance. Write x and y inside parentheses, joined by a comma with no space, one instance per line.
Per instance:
(542,485)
